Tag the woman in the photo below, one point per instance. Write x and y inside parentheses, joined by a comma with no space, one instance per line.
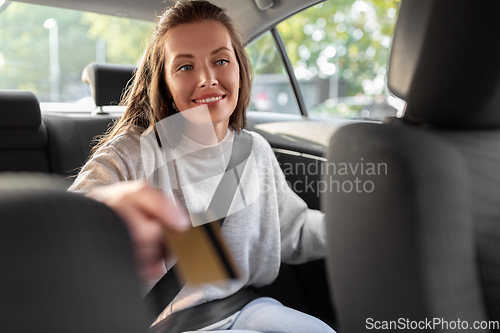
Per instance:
(197,61)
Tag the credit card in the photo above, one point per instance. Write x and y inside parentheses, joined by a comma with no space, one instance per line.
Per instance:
(202,253)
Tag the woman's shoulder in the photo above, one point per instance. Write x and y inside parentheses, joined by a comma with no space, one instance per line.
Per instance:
(260,147)
(258,141)
(128,140)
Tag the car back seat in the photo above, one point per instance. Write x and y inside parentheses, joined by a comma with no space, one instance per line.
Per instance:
(107,81)
(55,142)
(23,134)
(71,138)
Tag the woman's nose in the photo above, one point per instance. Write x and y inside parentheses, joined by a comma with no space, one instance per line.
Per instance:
(207,78)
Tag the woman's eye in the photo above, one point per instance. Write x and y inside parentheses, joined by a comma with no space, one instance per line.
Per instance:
(221,62)
(185,68)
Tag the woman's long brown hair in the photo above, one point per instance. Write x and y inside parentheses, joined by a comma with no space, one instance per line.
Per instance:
(147,98)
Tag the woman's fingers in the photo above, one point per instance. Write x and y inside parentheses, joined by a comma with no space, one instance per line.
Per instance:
(154,203)
(147,213)
(144,198)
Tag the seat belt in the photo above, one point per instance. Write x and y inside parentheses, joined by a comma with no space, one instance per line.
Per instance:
(165,290)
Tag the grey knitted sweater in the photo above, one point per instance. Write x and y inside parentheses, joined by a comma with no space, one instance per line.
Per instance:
(267,222)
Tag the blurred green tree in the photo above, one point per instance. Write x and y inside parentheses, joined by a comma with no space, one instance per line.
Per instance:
(24,47)
(348,38)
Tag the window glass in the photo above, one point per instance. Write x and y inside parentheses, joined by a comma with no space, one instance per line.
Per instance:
(271,89)
(340,52)
(44,49)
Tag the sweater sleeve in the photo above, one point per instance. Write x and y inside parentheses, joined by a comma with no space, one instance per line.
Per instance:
(303,233)
(302,230)
(112,163)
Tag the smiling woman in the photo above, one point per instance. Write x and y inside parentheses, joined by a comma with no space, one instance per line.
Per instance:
(196,61)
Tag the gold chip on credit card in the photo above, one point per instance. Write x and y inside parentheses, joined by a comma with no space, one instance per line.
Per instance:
(202,253)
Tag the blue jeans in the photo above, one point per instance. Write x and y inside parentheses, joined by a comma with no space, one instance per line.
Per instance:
(267,315)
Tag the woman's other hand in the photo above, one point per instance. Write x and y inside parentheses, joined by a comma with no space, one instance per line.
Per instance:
(147,213)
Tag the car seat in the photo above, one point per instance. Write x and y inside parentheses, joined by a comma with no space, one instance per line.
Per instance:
(413,207)
(107,82)
(66,262)
(52,143)
(23,135)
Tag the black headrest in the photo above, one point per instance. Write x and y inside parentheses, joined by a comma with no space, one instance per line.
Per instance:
(107,81)
(19,109)
(445,62)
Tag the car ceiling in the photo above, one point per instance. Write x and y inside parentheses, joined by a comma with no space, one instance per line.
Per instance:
(251,20)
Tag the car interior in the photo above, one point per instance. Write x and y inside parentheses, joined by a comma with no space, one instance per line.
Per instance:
(418,241)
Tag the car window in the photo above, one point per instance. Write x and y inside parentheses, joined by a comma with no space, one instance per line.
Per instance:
(45,49)
(271,91)
(340,51)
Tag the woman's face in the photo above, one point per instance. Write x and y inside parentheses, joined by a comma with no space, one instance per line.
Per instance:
(201,68)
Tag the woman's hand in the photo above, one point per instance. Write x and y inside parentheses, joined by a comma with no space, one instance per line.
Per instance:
(147,213)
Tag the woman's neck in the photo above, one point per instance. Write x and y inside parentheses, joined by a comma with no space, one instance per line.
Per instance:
(208,135)
(198,126)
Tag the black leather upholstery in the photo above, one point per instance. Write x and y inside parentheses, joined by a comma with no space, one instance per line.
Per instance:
(444,62)
(19,109)
(23,135)
(71,139)
(66,263)
(58,144)
(421,239)
(404,245)
(107,81)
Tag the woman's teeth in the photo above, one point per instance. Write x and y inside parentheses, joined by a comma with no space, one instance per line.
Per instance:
(209,100)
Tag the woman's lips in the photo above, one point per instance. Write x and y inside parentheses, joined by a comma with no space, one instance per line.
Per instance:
(210,101)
